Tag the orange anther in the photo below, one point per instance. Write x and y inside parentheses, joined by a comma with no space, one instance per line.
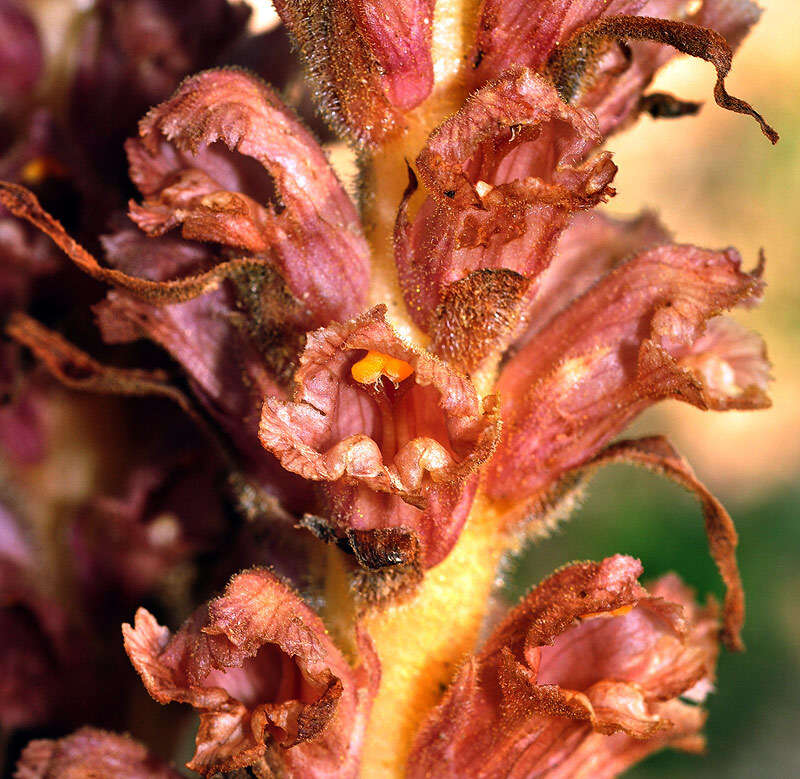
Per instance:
(39,168)
(621,611)
(396,369)
(370,368)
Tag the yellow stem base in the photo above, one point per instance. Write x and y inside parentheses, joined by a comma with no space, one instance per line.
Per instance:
(422,642)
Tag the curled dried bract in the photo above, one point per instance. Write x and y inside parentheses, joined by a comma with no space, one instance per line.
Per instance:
(571,64)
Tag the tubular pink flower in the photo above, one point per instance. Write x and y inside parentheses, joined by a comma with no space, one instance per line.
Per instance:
(587,653)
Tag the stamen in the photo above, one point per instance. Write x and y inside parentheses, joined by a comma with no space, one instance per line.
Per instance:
(369,369)
(621,611)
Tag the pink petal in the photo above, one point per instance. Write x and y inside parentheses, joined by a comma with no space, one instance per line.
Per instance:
(370,60)
(588,652)
(732,365)
(592,245)
(258,665)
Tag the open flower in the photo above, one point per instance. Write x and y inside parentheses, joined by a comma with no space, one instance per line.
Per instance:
(395,432)
(502,178)
(311,232)
(587,653)
(268,682)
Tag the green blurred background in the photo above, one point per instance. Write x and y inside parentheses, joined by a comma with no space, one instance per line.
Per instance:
(716,182)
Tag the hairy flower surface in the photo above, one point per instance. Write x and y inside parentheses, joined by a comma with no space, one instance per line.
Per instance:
(91,752)
(587,653)
(376,400)
(258,666)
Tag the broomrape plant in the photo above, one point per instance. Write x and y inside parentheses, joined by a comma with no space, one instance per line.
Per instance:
(367,405)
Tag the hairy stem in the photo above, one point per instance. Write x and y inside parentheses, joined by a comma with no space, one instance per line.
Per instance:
(383,174)
(422,641)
